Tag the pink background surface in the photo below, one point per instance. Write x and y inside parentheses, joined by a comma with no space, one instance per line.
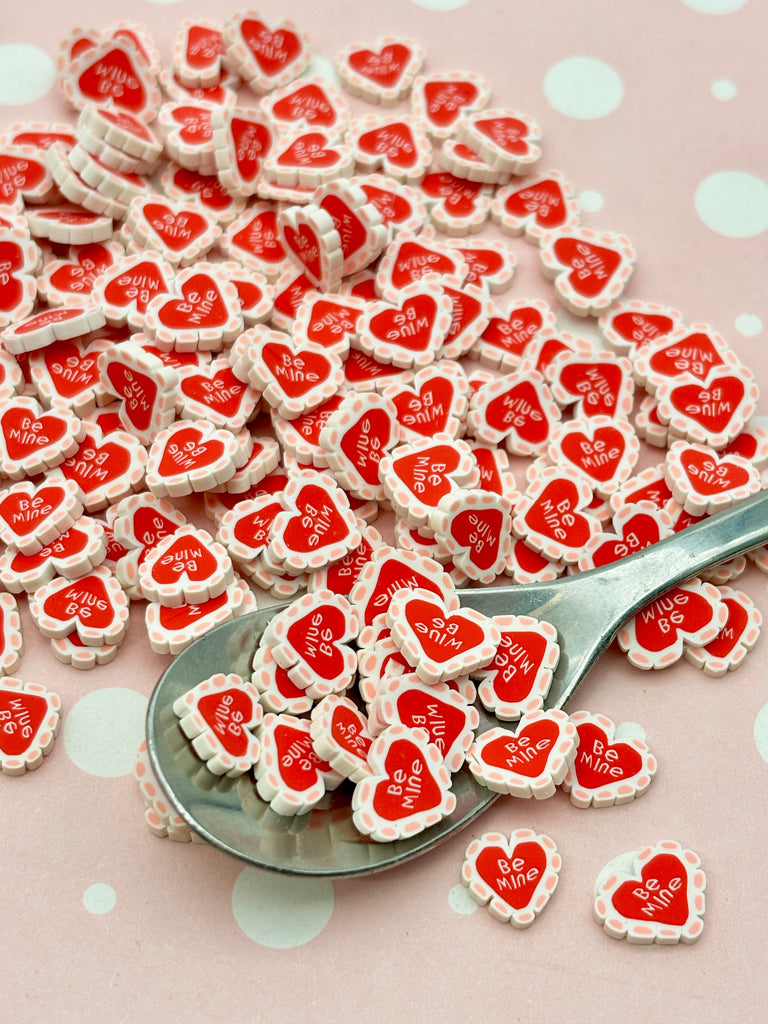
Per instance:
(171,946)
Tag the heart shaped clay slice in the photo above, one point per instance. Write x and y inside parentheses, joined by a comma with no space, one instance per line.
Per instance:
(514,876)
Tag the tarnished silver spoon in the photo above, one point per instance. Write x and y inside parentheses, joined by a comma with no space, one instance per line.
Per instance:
(587,609)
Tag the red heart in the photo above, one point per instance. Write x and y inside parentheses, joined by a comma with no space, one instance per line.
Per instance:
(513,333)
(273,50)
(527,751)
(427,410)
(515,876)
(392,575)
(222,392)
(86,600)
(71,370)
(445,635)
(195,122)
(385,68)
(481,263)
(342,575)
(288,300)
(410,326)
(22,714)
(592,265)
(544,200)
(202,306)
(24,433)
(305,246)
(365,441)
(19,174)
(24,512)
(90,262)
(135,286)
(177,230)
(695,354)
(225,712)
(348,730)
(445,100)
(296,371)
(317,523)
(206,186)
(252,140)
(414,259)
(519,408)
(11,287)
(204,47)
(260,237)
(554,514)
(639,531)
(427,473)
(309,150)
(149,525)
(186,449)
(710,475)
(732,631)
(299,764)
(599,762)
(640,328)
(459,195)
(660,895)
(508,133)
(657,625)
(516,664)
(308,103)
(93,465)
(712,407)
(361,368)
(138,391)
(394,141)
(114,76)
(186,557)
(415,792)
(443,721)
(600,382)
(479,531)
(253,529)
(597,456)
(330,321)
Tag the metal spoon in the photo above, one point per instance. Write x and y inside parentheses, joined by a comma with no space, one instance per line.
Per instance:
(587,609)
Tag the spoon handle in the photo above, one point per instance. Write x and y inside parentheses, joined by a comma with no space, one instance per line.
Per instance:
(648,573)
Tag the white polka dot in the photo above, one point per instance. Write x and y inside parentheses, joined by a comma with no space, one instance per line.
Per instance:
(26,73)
(630,731)
(99,898)
(324,68)
(440,5)
(584,88)
(714,6)
(748,324)
(103,730)
(733,203)
(590,201)
(761,732)
(281,911)
(724,89)
(460,901)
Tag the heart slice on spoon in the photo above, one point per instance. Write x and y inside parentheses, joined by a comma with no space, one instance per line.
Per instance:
(408,790)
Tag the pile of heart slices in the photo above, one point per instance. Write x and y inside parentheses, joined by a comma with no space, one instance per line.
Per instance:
(286,312)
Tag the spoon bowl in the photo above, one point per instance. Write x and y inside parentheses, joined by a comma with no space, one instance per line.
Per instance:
(587,609)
